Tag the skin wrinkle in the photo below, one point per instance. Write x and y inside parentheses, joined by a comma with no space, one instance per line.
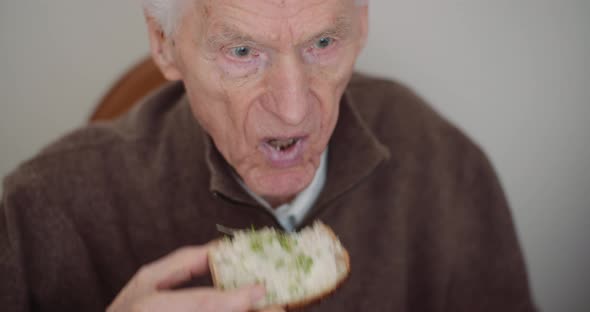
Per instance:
(232,34)
(342,22)
(302,5)
(206,11)
(168,13)
(239,103)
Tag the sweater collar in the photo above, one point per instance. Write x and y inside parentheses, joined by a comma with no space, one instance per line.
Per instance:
(355,152)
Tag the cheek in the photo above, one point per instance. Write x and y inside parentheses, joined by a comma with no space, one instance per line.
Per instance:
(232,71)
(239,72)
(211,106)
(226,130)
(219,101)
(326,116)
(333,82)
(337,72)
(206,100)
(329,123)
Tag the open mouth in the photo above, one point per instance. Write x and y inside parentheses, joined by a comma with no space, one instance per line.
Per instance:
(283,152)
(282,145)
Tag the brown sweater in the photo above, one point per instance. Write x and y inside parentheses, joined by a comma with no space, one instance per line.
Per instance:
(415,202)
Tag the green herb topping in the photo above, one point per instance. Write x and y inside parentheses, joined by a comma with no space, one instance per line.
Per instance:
(256,244)
(304,263)
(286,242)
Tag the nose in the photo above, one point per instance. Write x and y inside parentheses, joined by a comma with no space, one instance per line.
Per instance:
(289,90)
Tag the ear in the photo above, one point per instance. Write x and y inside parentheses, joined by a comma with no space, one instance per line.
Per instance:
(162,50)
(364,25)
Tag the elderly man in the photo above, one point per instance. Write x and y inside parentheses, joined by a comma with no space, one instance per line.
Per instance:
(264,124)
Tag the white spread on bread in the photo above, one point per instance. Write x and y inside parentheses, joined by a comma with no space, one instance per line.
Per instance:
(294,268)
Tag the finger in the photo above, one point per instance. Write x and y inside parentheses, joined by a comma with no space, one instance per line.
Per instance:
(205,300)
(175,268)
(244,299)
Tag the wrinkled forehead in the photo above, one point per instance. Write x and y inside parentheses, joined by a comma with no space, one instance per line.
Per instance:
(276,8)
(277,20)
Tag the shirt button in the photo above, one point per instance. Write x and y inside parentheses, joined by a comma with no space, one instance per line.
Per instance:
(293,221)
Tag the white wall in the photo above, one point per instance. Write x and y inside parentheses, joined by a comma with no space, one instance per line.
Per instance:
(514,74)
(56,60)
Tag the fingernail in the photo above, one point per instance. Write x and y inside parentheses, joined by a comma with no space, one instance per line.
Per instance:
(257,293)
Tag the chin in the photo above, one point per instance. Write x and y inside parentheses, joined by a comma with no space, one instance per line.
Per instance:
(282,183)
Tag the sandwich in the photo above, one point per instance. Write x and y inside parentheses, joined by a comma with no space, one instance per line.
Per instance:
(296,269)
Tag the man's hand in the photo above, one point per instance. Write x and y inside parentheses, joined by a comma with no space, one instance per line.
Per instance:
(151,288)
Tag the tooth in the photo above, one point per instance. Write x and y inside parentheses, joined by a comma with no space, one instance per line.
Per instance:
(282,145)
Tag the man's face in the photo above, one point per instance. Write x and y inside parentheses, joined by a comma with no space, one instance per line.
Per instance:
(265,79)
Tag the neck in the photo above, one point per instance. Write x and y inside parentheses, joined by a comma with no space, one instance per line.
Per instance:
(276,202)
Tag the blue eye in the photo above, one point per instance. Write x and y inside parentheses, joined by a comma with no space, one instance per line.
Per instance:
(324,42)
(241,52)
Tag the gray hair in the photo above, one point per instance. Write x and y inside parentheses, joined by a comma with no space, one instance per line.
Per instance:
(168,13)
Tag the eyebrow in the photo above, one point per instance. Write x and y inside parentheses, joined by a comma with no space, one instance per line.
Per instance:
(340,29)
(229,34)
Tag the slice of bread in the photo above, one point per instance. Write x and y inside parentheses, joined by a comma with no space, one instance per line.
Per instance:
(296,269)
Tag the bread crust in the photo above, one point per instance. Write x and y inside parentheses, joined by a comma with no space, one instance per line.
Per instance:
(297,304)
(315,299)
(212,268)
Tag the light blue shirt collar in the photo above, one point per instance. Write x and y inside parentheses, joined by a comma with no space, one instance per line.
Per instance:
(290,215)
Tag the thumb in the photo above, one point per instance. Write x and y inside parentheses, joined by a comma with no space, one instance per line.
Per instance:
(245,298)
